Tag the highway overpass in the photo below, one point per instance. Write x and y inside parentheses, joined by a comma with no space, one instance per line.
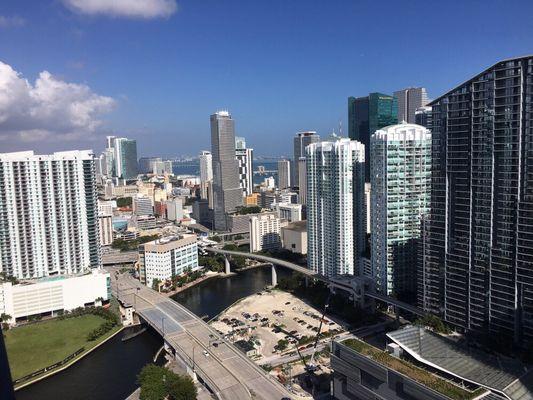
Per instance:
(307,272)
(223,368)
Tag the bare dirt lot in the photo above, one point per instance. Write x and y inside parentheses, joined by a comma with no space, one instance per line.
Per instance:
(276,323)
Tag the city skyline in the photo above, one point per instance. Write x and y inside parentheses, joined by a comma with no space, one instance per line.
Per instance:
(127,99)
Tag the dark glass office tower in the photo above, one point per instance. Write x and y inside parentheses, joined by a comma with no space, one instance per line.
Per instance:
(368,114)
(478,263)
(227,192)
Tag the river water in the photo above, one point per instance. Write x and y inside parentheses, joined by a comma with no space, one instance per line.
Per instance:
(109,373)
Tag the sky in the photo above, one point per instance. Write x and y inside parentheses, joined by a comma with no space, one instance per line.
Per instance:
(74,71)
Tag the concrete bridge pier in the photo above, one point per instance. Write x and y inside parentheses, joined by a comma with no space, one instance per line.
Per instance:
(274,276)
(227,265)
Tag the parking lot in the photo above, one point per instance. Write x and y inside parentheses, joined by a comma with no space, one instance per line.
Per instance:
(269,317)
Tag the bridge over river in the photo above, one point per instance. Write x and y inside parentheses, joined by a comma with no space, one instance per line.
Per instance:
(223,368)
(311,274)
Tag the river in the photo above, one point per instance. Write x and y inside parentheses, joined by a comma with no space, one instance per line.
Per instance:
(110,371)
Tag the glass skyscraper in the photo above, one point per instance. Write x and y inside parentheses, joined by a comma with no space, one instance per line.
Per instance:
(400,179)
(227,193)
(125,154)
(478,254)
(368,114)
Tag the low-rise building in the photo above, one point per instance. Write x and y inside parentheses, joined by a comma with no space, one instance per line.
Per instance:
(251,199)
(54,294)
(267,198)
(239,223)
(294,237)
(247,347)
(167,257)
(142,205)
(420,365)
(265,232)
(124,190)
(143,222)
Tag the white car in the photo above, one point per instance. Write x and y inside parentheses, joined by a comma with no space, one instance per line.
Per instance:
(206,353)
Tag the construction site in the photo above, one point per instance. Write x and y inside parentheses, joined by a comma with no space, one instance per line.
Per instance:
(286,336)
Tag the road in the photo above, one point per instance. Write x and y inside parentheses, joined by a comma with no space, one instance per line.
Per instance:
(276,360)
(225,369)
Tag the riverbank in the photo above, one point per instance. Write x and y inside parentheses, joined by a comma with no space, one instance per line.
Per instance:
(208,275)
(97,343)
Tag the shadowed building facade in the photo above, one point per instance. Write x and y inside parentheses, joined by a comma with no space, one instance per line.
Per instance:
(478,258)
(368,114)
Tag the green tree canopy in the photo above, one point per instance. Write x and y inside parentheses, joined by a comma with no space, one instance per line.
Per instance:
(159,383)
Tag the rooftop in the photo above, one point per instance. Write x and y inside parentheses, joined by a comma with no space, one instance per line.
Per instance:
(504,375)
(419,375)
(298,226)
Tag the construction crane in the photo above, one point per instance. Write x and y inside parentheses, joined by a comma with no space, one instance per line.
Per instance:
(311,366)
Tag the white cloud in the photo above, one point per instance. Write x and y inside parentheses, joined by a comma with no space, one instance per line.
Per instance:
(11,22)
(49,110)
(124,8)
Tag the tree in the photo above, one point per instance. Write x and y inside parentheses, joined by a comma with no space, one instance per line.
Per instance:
(181,387)
(124,202)
(155,284)
(435,323)
(282,344)
(249,210)
(159,383)
(4,317)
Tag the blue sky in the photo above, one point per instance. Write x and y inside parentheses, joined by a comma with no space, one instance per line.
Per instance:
(278,66)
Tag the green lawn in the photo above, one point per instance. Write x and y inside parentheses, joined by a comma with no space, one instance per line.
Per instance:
(36,346)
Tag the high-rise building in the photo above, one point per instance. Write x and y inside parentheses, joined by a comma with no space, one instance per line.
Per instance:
(335,206)
(245,162)
(368,114)
(227,193)
(146,164)
(105,222)
(265,233)
(368,204)
(478,263)
(284,174)
(301,141)
(162,167)
(302,181)
(125,153)
(206,173)
(408,101)
(423,117)
(174,209)
(48,214)
(400,179)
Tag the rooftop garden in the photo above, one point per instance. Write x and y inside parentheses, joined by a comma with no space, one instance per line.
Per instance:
(420,375)
(248,210)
